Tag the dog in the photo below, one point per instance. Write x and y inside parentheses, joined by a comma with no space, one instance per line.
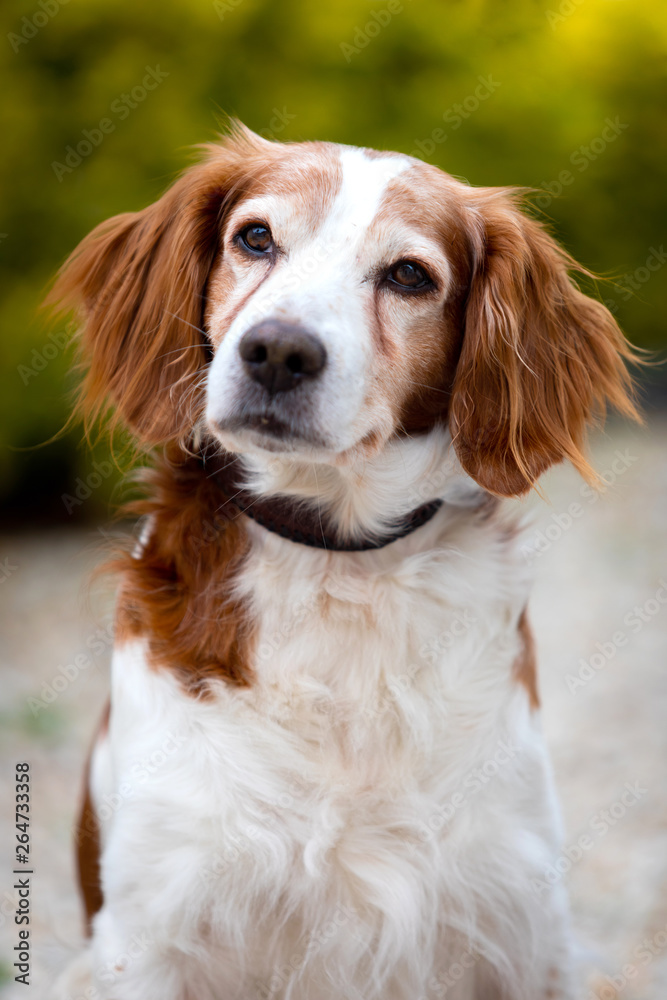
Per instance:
(322,774)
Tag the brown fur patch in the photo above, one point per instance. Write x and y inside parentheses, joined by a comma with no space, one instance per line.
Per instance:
(382,343)
(540,360)
(422,204)
(88,840)
(525,665)
(307,175)
(177,591)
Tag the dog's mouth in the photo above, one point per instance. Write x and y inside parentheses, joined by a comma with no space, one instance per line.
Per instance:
(262,428)
(268,424)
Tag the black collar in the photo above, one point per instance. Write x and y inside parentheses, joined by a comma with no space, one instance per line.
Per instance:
(293,519)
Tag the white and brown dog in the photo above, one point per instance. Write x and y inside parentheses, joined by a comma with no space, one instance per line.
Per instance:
(322,774)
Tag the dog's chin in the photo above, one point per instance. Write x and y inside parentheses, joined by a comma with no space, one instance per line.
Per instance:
(266,435)
(263,434)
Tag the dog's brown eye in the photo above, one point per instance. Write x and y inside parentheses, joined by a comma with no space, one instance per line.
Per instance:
(257,238)
(408,275)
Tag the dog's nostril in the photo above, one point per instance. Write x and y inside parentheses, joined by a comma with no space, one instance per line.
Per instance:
(295,363)
(257,355)
(280,356)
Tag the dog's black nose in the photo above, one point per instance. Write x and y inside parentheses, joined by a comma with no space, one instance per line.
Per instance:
(280,356)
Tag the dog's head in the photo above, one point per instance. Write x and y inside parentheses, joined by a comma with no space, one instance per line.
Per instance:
(318,301)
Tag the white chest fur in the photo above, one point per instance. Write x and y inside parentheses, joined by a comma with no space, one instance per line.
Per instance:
(374,805)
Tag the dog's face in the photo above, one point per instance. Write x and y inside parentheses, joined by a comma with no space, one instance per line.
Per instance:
(316,301)
(331,306)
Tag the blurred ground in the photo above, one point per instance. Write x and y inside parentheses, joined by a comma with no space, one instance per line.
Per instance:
(600,626)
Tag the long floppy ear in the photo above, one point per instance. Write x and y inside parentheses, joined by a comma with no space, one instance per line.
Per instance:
(138,282)
(539,359)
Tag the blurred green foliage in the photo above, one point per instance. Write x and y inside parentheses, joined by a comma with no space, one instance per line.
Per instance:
(537,84)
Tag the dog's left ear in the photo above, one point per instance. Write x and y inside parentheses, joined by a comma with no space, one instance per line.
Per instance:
(138,283)
(539,358)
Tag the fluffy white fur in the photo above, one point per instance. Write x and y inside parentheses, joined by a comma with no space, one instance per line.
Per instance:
(327,832)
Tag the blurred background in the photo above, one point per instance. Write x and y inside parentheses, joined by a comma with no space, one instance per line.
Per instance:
(100,101)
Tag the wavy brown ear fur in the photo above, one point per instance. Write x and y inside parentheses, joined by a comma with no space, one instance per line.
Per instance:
(539,360)
(138,282)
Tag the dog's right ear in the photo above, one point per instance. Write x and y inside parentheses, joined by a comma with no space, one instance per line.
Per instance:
(540,359)
(138,283)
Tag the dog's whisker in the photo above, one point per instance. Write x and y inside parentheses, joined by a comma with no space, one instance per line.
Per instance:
(187,323)
(180,350)
(430,388)
(182,379)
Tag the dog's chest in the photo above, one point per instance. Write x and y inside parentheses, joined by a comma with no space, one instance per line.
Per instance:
(379,685)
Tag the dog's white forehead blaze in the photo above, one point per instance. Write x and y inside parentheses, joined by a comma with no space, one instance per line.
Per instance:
(364,184)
